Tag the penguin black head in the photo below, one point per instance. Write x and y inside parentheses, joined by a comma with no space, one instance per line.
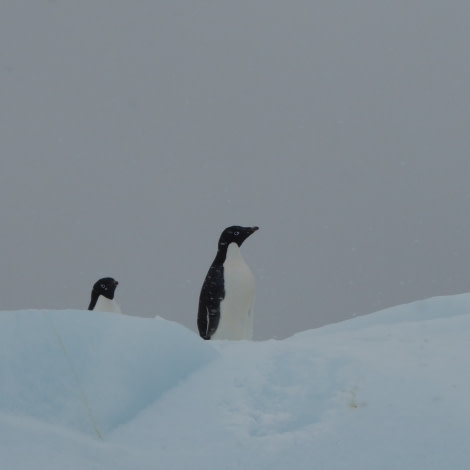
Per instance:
(105,287)
(235,234)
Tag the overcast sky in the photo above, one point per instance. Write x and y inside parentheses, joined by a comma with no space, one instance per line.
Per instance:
(133,133)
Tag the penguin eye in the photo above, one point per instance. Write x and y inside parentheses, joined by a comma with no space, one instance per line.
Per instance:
(236,233)
(103,286)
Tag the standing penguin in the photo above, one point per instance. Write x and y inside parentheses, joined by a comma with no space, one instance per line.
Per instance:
(228,293)
(102,296)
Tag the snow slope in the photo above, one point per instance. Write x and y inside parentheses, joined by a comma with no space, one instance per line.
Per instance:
(89,390)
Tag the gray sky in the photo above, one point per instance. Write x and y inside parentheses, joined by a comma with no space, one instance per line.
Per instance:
(133,133)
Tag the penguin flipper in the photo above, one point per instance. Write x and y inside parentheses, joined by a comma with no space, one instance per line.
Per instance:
(208,318)
(212,293)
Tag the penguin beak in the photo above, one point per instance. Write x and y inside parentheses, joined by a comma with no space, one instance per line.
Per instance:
(250,231)
(116,283)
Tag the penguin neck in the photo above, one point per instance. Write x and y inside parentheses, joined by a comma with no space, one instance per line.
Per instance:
(229,252)
(103,304)
(94,298)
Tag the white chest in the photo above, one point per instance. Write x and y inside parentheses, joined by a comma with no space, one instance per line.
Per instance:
(236,309)
(106,305)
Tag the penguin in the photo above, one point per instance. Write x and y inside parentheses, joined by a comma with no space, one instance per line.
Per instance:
(228,292)
(102,296)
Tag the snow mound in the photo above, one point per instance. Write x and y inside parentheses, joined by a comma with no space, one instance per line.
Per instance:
(87,370)
(94,390)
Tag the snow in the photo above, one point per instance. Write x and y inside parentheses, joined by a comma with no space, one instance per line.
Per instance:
(93,390)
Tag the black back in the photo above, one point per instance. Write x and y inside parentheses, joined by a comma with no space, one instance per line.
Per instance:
(213,291)
(105,287)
